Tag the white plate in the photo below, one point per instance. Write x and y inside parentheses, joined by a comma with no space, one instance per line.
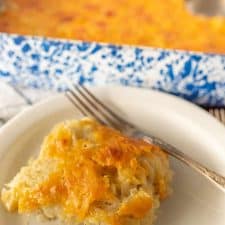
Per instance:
(191,129)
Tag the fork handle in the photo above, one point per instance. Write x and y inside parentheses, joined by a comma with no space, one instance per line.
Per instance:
(213,176)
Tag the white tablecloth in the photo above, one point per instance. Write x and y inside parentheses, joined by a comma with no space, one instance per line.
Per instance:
(15,99)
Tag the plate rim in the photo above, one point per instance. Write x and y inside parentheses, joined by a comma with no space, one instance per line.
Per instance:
(61,97)
(23,115)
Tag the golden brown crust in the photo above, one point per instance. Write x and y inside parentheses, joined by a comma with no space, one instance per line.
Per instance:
(159,23)
(137,206)
(93,165)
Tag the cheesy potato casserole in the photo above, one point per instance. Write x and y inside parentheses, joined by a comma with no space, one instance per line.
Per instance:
(87,173)
(158,23)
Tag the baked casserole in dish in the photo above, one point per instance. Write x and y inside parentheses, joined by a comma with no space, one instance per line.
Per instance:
(157,23)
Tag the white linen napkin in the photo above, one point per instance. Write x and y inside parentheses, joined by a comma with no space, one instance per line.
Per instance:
(14,99)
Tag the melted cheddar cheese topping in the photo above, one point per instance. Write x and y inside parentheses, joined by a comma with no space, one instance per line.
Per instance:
(96,174)
(159,23)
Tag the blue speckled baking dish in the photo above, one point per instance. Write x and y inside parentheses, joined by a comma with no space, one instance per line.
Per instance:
(39,62)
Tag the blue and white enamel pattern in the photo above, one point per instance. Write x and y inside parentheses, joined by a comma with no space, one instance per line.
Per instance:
(44,63)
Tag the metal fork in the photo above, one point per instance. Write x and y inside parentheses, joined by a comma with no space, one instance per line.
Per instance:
(89,105)
(219,113)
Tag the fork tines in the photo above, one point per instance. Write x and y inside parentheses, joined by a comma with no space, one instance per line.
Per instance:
(219,113)
(89,105)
